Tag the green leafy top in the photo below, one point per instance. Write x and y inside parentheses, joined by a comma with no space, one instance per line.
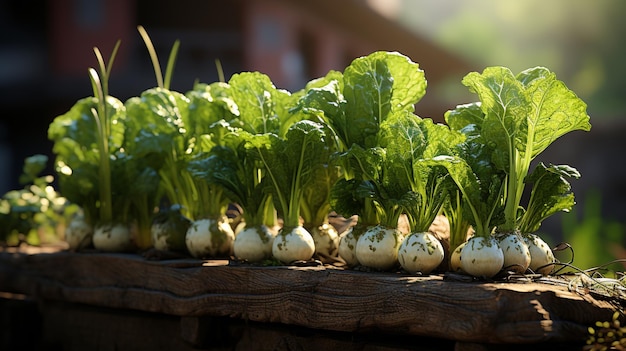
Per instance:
(291,164)
(37,208)
(550,193)
(239,173)
(262,107)
(518,117)
(355,103)
(77,152)
(408,140)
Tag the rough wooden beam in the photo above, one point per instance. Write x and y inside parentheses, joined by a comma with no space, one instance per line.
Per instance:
(314,297)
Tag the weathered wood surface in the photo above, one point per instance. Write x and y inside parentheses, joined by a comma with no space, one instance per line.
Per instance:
(314,297)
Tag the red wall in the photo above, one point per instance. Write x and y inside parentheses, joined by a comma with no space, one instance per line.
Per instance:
(76,27)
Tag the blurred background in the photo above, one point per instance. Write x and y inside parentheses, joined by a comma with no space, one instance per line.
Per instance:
(46,48)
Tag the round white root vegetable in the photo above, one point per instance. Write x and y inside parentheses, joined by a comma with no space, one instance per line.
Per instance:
(455,258)
(347,247)
(210,237)
(515,250)
(326,240)
(253,244)
(482,257)
(169,229)
(541,256)
(113,238)
(378,247)
(295,244)
(78,234)
(420,252)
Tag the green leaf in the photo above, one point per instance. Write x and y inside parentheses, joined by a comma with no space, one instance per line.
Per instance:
(481,187)
(555,110)
(505,108)
(373,87)
(291,164)
(467,119)
(33,165)
(523,115)
(409,140)
(551,193)
(257,99)
(209,104)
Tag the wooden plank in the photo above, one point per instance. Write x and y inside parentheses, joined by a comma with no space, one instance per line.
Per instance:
(319,297)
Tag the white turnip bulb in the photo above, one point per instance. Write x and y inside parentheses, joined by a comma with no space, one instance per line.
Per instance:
(378,247)
(295,244)
(254,243)
(515,250)
(541,256)
(420,252)
(113,238)
(210,237)
(482,257)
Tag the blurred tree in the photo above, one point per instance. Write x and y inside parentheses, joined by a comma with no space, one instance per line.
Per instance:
(580,40)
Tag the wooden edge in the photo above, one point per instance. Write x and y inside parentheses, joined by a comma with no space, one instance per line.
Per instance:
(313,297)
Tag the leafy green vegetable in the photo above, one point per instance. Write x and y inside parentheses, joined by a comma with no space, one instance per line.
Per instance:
(550,193)
(409,140)
(522,116)
(155,124)
(355,103)
(262,107)
(375,86)
(29,213)
(239,174)
(291,164)
(77,154)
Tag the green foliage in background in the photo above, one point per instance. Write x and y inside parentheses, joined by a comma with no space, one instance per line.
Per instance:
(35,214)
(580,40)
(596,240)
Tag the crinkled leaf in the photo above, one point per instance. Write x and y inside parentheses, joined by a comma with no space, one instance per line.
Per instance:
(555,110)
(208,104)
(373,87)
(257,99)
(467,119)
(523,115)
(290,163)
(551,193)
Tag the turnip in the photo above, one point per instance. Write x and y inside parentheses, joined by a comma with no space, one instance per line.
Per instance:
(78,234)
(505,131)
(85,139)
(455,258)
(293,244)
(254,243)
(378,247)
(291,164)
(113,238)
(476,203)
(541,256)
(347,243)
(482,257)
(169,229)
(409,139)
(210,237)
(354,105)
(420,252)
(516,253)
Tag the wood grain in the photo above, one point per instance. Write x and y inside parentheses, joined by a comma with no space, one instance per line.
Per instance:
(319,297)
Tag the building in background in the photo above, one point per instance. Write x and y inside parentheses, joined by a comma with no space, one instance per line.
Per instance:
(49,47)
